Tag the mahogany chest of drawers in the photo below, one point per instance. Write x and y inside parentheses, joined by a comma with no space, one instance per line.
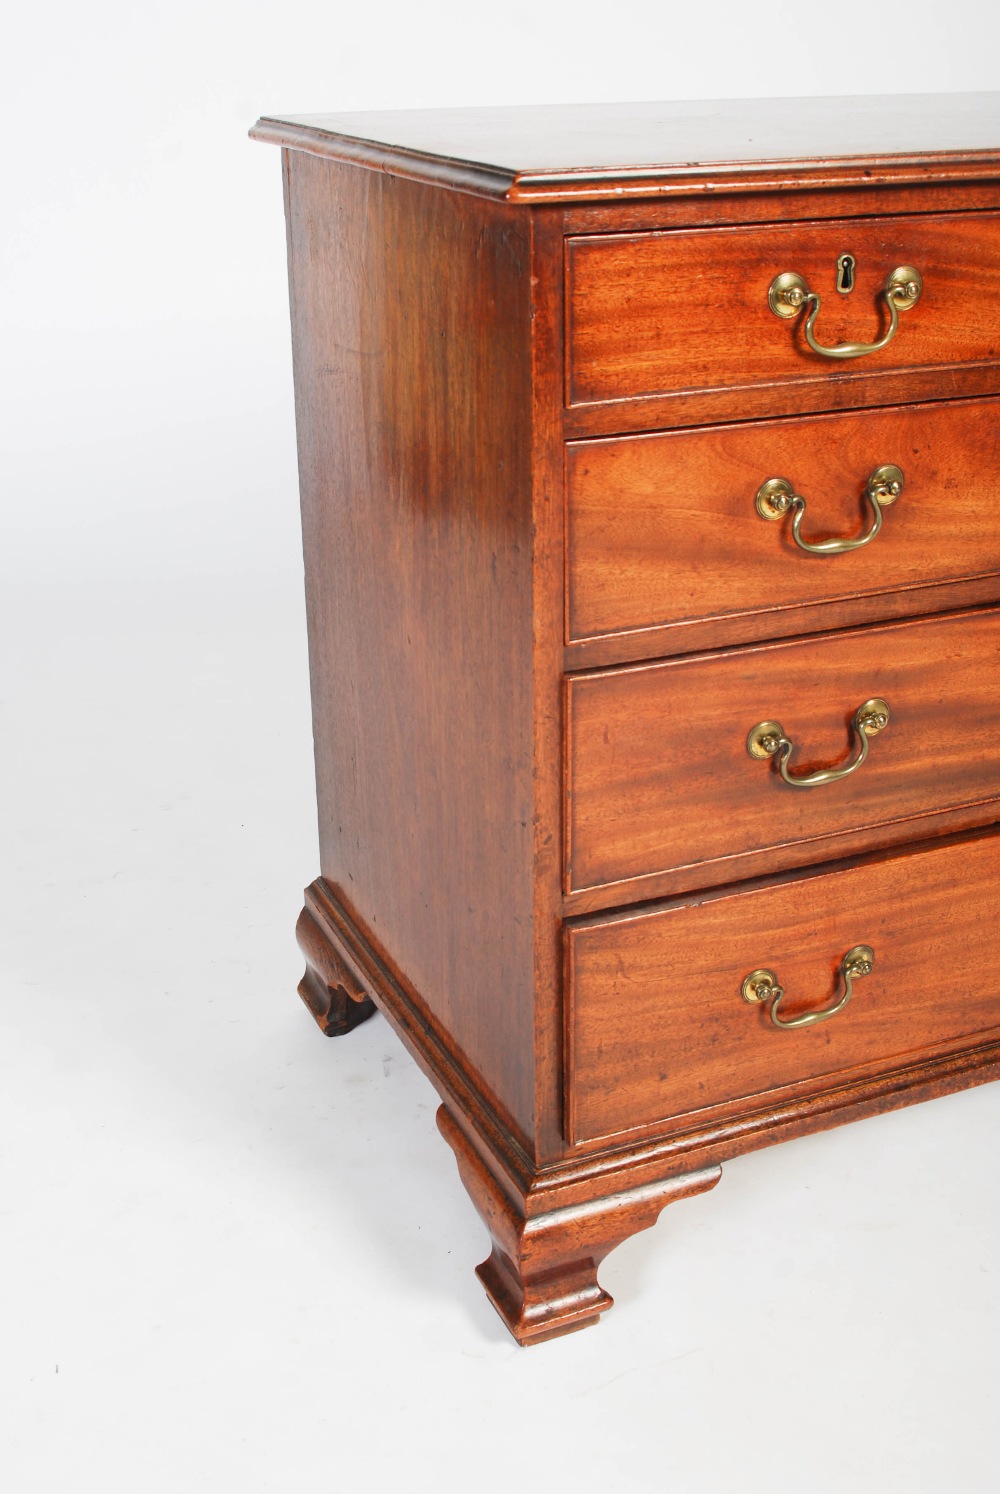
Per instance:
(650,479)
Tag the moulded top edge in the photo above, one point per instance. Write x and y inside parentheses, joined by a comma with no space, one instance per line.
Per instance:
(599,151)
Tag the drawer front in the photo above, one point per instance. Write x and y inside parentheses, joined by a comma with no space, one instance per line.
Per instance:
(657,1029)
(659,776)
(663,530)
(686,311)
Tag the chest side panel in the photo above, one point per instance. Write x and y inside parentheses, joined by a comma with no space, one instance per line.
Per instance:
(411,321)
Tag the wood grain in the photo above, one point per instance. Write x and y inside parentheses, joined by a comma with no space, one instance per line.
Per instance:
(658,775)
(589,1171)
(330,989)
(787,202)
(594,152)
(480,814)
(548,567)
(662,531)
(657,1029)
(590,1181)
(413,398)
(686,312)
(541,1274)
(840,391)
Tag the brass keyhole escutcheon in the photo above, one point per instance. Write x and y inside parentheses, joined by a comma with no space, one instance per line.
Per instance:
(845,274)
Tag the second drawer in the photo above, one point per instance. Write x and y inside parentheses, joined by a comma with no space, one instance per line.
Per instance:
(664,534)
(660,779)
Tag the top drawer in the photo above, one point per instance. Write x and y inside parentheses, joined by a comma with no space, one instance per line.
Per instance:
(683,316)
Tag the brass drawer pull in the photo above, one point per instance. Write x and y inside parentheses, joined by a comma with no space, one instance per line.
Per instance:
(777,497)
(768,740)
(788,294)
(762,985)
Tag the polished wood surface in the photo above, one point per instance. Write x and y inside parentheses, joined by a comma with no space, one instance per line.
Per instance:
(541,1274)
(687,312)
(588,1171)
(659,777)
(540,632)
(411,350)
(662,531)
(548,563)
(784,201)
(837,390)
(330,988)
(657,1028)
(565,152)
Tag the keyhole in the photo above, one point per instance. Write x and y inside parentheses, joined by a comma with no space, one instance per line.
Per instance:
(845,274)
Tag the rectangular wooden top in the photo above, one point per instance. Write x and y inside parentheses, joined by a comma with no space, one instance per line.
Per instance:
(589,152)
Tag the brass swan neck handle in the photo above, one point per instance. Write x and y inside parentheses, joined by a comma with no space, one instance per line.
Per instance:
(768,739)
(762,986)
(777,497)
(789,293)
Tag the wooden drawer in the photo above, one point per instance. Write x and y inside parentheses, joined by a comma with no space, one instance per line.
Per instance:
(685,312)
(663,531)
(659,778)
(656,1027)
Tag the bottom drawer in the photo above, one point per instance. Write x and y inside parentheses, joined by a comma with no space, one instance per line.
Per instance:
(657,1028)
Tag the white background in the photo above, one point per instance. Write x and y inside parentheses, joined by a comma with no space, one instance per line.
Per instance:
(233,1255)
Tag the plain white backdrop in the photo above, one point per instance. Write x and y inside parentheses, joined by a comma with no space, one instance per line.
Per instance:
(235,1256)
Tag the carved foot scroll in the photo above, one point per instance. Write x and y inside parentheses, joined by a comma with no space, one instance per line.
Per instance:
(329,988)
(548,1242)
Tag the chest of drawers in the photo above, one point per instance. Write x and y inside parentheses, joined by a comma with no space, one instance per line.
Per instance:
(650,481)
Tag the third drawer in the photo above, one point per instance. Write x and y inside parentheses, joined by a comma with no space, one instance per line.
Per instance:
(663,793)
